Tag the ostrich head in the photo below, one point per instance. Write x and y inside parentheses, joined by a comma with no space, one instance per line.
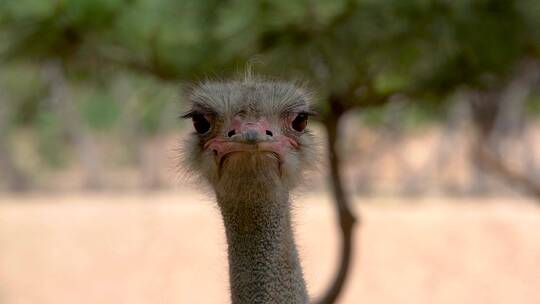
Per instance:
(250,136)
(251,145)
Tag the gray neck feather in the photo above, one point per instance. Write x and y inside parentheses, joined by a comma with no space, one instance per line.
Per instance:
(263,262)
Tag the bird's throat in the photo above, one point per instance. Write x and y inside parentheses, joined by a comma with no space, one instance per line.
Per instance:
(244,166)
(263,262)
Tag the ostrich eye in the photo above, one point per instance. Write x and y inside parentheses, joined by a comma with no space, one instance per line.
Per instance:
(200,123)
(300,122)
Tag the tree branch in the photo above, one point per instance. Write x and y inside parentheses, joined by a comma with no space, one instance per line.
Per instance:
(346,217)
(509,174)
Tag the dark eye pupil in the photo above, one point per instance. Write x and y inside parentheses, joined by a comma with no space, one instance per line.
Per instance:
(300,122)
(200,123)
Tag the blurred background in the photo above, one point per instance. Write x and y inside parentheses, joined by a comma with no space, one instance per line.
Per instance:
(429,126)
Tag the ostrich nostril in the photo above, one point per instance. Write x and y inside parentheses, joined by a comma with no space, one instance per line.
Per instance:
(231,133)
(269,133)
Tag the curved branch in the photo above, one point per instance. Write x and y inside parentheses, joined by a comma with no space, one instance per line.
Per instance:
(346,217)
(512,176)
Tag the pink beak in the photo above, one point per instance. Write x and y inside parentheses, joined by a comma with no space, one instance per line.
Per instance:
(250,136)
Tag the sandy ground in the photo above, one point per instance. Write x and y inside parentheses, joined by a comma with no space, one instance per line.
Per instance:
(170,248)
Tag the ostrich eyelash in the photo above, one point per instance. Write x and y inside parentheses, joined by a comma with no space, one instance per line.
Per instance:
(309,113)
(189,114)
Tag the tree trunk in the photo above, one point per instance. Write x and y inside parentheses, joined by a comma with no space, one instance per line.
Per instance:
(499,118)
(146,145)
(345,215)
(62,103)
(445,153)
(16,180)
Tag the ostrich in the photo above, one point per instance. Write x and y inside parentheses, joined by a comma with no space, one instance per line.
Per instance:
(251,145)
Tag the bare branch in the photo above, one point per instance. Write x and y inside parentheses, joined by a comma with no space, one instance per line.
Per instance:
(345,214)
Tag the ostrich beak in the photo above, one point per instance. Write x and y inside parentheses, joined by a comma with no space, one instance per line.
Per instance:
(250,137)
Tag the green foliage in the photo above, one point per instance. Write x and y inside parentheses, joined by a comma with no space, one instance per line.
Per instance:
(151,116)
(533,105)
(412,114)
(54,29)
(422,113)
(22,90)
(373,116)
(359,52)
(51,139)
(99,110)
(388,45)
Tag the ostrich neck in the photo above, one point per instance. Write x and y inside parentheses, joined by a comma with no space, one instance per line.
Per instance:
(263,262)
